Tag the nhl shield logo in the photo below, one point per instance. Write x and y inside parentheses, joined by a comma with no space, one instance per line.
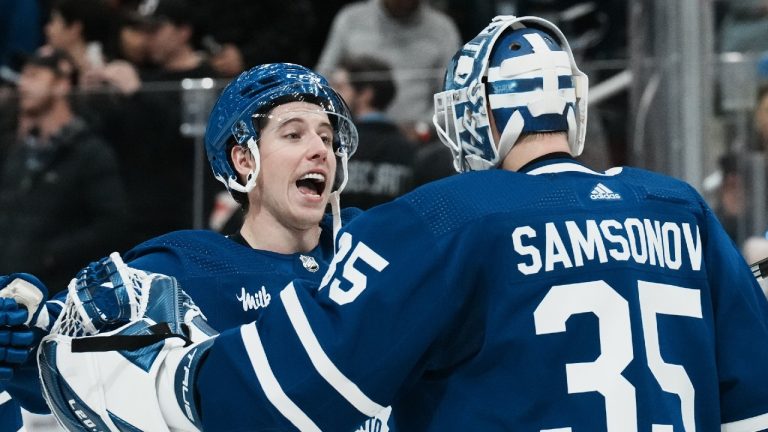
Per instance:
(309,263)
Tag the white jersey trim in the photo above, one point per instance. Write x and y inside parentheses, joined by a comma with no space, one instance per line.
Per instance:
(569,167)
(269,383)
(4,397)
(754,424)
(324,366)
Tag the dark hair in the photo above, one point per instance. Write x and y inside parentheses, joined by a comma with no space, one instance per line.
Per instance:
(365,72)
(177,12)
(56,60)
(95,16)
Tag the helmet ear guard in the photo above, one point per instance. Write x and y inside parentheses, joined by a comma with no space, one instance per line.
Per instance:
(233,183)
(524,71)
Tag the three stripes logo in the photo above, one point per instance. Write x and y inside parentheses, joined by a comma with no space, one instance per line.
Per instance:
(600,192)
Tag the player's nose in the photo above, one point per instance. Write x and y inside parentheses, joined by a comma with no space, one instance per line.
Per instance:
(317,147)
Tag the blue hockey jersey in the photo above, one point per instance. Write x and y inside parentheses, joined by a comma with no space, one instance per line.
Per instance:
(559,299)
(230,282)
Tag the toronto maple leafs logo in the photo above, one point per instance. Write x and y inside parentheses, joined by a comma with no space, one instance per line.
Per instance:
(309,263)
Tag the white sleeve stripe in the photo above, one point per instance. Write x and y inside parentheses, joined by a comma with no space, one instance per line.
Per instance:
(4,397)
(753,424)
(324,366)
(269,383)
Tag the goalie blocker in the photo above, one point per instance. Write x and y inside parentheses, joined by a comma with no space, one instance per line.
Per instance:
(120,379)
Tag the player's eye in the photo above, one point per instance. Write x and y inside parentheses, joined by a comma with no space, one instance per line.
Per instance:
(292,135)
(327,138)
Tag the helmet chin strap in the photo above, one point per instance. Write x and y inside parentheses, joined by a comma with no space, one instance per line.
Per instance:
(509,136)
(336,198)
(250,183)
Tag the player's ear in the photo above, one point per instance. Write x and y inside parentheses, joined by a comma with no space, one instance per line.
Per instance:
(242,160)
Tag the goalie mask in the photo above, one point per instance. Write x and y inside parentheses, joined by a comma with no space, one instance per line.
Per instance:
(524,71)
(252,95)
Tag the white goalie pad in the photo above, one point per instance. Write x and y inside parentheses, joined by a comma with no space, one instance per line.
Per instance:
(104,391)
(106,381)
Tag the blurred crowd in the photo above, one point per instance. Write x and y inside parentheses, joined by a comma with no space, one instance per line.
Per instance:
(739,184)
(100,147)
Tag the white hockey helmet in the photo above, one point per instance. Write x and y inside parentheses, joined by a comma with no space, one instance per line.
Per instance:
(524,70)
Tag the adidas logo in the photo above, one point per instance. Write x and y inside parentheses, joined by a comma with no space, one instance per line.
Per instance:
(600,192)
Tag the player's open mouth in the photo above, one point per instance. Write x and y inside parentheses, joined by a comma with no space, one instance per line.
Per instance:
(311,183)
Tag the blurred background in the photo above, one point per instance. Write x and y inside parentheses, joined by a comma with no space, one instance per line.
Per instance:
(676,86)
(103,105)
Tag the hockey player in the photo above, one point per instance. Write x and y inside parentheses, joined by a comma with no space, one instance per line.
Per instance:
(278,138)
(531,293)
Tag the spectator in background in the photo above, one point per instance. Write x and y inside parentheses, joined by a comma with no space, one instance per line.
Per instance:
(132,39)
(168,30)
(81,28)
(754,248)
(238,35)
(173,42)
(760,120)
(744,26)
(61,197)
(415,39)
(730,206)
(156,161)
(740,181)
(433,161)
(382,168)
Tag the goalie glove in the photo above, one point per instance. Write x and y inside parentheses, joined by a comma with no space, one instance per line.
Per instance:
(22,305)
(108,380)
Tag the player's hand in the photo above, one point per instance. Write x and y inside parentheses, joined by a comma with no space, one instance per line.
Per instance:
(16,339)
(102,291)
(22,302)
(29,294)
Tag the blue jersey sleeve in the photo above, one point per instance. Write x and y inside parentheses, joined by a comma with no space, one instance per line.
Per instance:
(542,310)
(741,328)
(345,343)
(10,413)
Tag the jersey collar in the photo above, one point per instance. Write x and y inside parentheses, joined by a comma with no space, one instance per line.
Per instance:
(561,162)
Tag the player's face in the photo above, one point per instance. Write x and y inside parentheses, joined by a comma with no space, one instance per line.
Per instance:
(297,164)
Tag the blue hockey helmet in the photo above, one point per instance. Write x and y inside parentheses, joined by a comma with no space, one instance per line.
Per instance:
(524,71)
(256,92)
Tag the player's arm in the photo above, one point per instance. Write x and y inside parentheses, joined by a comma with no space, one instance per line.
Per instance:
(741,326)
(326,358)
(101,362)
(24,320)
(20,335)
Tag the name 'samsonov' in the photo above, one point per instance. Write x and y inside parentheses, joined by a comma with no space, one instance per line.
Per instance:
(646,241)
